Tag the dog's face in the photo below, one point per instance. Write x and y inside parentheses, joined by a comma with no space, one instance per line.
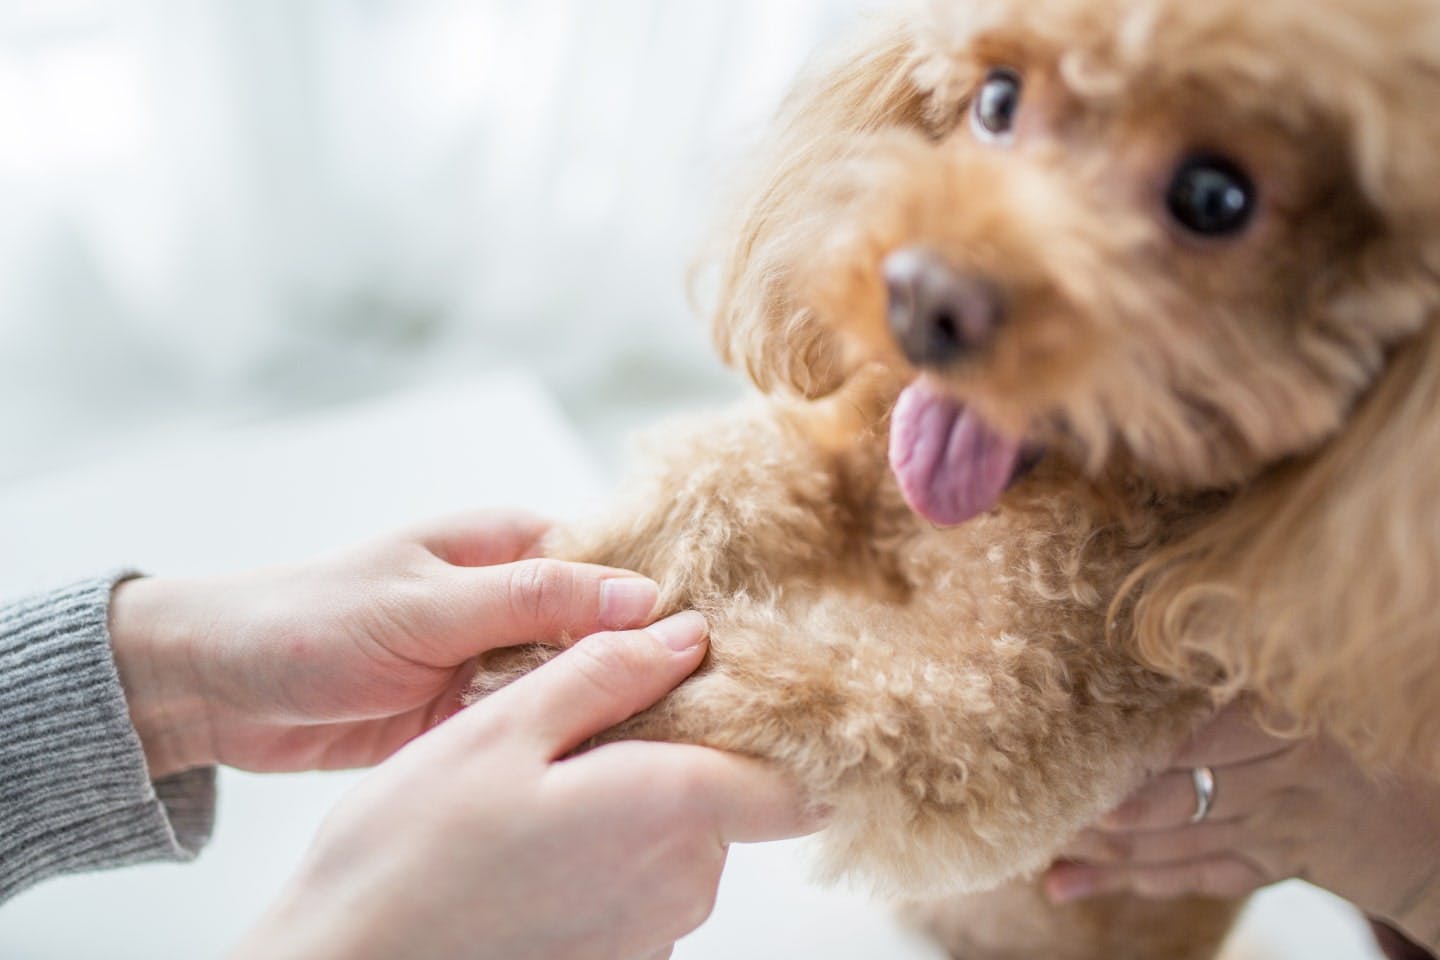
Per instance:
(1167,238)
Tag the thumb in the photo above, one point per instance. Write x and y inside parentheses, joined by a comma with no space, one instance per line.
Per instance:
(545,601)
(599,682)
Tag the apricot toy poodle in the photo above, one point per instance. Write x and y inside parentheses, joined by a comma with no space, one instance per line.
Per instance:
(1099,380)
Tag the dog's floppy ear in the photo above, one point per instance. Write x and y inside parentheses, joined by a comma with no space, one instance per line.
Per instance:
(759,324)
(1320,587)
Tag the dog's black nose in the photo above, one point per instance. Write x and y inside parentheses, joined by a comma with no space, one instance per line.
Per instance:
(938,315)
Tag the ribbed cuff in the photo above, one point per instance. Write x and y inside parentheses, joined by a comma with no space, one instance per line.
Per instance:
(75,793)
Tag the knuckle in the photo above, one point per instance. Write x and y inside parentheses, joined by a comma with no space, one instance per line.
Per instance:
(601,664)
(612,663)
(540,590)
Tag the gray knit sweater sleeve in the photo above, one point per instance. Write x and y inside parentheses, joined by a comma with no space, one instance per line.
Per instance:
(74,791)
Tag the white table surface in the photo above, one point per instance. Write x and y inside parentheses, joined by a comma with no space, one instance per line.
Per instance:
(244,496)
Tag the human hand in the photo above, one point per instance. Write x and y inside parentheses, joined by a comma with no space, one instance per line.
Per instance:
(1282,808)
(481,839)
(338,661)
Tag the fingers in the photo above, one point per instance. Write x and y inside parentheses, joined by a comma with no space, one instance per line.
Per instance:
(1233,736)
(729,797)
(599,682)
(1243,758)
(546,601)
(1180,845)
(1149,847)
(1169,800)
(1219,876)
(481,538)
(750,801)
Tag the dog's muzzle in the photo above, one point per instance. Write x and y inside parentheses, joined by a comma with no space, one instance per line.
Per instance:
(939,315)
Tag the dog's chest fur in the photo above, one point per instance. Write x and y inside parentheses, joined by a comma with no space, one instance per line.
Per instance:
(951,693)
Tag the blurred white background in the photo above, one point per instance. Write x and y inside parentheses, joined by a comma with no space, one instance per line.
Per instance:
(222,209)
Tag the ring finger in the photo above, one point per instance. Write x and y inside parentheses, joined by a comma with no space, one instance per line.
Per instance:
(1171,799)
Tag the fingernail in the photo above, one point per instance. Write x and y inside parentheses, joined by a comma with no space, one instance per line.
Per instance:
(683,631)
(627,602)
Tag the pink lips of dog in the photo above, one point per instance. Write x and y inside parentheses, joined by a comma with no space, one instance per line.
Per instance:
(951,466)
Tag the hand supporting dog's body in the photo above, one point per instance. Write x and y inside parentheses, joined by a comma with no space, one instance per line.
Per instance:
(1282,808)
(474,832)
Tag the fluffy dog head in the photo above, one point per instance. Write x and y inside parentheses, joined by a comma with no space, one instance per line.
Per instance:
(1195,245)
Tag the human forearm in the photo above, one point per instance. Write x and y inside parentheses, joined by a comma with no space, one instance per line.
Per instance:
(78,794)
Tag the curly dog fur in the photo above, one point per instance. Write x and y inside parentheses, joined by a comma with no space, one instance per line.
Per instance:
(1237,431)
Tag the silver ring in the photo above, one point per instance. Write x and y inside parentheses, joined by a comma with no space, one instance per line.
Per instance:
(1204,780)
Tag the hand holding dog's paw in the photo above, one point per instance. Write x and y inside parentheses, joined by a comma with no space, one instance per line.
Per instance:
(480,839)
(340,660)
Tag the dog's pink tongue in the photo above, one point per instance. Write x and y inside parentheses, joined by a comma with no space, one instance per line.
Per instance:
(951,466)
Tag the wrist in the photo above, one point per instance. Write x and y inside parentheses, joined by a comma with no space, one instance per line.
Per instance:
(282,936)
(297,927)
(152,646)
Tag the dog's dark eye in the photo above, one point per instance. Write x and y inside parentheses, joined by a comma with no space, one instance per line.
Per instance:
(1211,196)
(993,116)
